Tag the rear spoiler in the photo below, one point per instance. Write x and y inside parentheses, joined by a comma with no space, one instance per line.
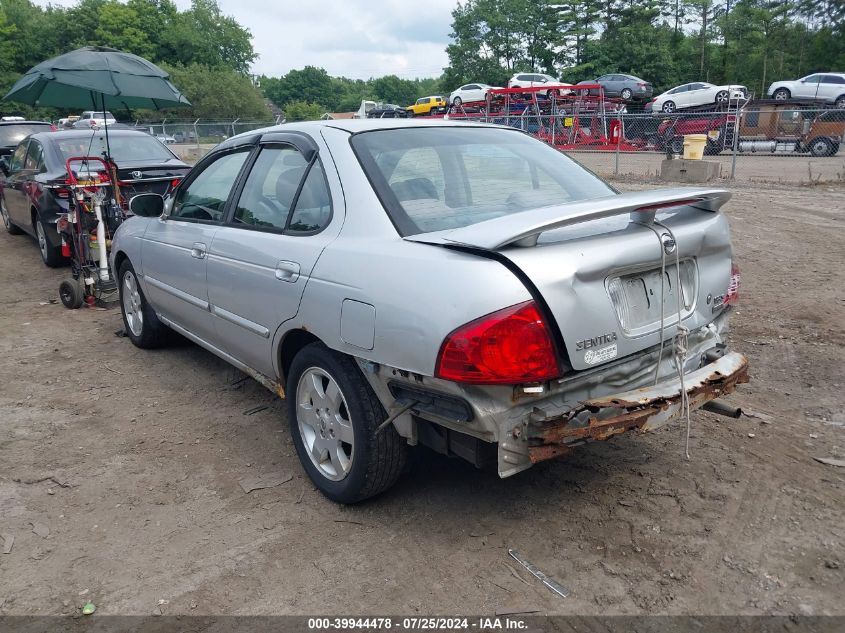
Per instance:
(523,229)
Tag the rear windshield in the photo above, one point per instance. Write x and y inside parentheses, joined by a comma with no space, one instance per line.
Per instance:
(14,134)
(123,148)
(432,179)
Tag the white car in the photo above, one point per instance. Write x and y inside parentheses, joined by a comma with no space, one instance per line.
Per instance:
(468,93)
(828,87)
(92,118)
(697,93)
(532,80)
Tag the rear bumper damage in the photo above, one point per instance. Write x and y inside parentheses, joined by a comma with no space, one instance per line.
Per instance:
(643,409)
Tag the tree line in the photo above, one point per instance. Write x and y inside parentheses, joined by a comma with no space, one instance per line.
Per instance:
(206,52)
(667,42)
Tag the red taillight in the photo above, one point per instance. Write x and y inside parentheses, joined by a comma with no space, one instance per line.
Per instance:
(732,295)
(510,346)
(175,182)
(53,128)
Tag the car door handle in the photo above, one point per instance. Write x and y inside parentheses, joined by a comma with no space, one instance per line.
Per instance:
(198,250)
(287,271)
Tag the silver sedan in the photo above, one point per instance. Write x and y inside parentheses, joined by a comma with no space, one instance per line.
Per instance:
(460,286)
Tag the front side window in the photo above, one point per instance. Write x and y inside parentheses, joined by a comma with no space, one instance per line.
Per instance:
(813,79)
(204,198)
(275,196)
(432,179)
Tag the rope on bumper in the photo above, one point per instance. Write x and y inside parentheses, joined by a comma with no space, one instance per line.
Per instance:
(680,341)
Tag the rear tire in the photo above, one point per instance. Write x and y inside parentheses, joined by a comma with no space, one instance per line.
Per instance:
(626,94)
(11,228)
(50,255)
(333,416)
(840,101)
(71,293)
(139,319)
(669,106)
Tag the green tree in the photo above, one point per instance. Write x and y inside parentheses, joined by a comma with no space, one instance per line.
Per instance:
(118,27)
(217,93)
(311,84)
(303,111)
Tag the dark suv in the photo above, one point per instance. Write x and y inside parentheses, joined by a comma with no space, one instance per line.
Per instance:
(13,132)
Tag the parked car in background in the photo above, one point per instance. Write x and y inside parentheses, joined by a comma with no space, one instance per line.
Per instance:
(698,93)
(387,111)
(532,80)
(827,87)
(428,105)
(628,87)
(67,122)
(364,109)
(167,139)
(14,131)
(92,118)
(489,294)
(34,191)
(469,93)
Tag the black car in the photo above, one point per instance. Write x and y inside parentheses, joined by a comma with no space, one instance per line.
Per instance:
(34,192)
(387,111)
(13,132)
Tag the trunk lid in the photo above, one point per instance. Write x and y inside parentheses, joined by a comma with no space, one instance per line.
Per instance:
(596,269)
(143,177)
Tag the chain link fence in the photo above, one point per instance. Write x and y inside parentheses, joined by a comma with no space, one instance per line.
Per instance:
(762,141)
(765,142)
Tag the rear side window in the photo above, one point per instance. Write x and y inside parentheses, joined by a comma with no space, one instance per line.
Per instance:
(834,79)
(276,197)
(432,179)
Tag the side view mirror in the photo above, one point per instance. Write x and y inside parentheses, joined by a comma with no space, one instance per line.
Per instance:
(147,205)
(4,166)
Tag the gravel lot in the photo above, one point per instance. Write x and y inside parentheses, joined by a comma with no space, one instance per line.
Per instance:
(120,470)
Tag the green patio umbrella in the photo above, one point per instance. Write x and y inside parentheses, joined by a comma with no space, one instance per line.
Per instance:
(97,78)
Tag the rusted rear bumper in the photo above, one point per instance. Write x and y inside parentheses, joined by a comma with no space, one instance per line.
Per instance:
(643,409)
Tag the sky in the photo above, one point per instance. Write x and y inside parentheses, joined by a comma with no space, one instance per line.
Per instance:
(351,38)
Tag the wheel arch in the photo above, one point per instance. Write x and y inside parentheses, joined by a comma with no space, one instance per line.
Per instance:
(290,345)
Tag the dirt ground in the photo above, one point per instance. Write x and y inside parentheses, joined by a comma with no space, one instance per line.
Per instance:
(119,473)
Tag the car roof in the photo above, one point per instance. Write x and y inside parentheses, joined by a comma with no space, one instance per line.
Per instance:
(86,133)
(24,123)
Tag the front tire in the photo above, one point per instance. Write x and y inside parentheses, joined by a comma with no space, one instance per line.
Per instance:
(457,101)
(781,94)
(333,416)
(722,97)
(821,147)
(139,319)
(11,228)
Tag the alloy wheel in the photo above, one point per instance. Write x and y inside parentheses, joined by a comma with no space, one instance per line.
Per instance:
(324,423)
(3,212)
(42,240)
(132,304)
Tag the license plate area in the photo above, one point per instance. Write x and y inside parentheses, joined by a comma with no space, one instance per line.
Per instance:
(636,297)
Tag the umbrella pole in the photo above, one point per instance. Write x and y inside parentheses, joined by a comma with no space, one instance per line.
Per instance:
(109,161)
